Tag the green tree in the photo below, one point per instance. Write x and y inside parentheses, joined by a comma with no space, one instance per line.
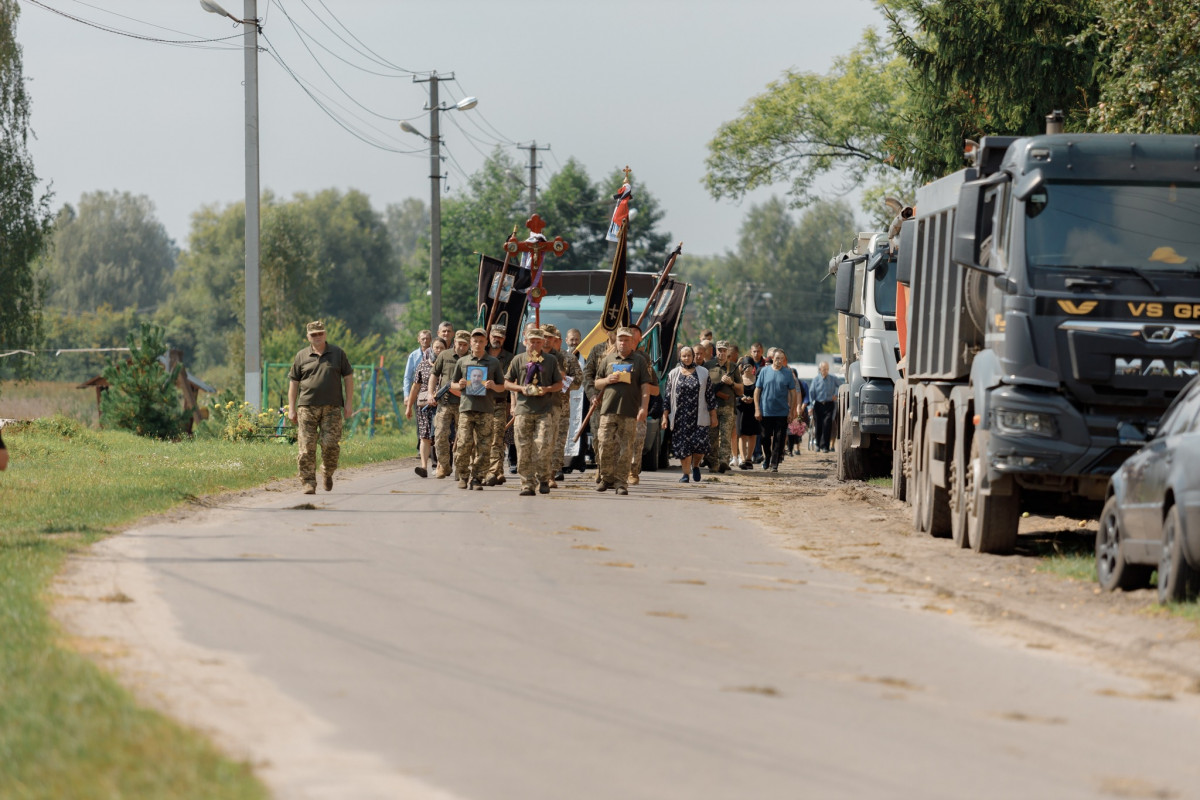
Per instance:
(575,209)
(772,288)
(1149,66)
(805,125)
(142,396)
(111,251)
(980,67)
(24,216)
(101,328)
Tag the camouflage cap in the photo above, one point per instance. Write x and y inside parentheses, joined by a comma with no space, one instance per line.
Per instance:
(499,329)
(317,326)
(552,332)
(478,332)
(625,332)
(722,345)
(534,332)
(462,336)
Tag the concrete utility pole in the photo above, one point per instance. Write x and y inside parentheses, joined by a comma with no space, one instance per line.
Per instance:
(533,167)
(253,297)
(435,198)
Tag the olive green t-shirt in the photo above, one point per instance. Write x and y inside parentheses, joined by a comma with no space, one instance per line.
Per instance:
(489,370)
(443,366)
(546,374)
(623,399)
(320,376)
(726,395)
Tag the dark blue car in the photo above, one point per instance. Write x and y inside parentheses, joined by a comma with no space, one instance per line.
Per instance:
(1151,518)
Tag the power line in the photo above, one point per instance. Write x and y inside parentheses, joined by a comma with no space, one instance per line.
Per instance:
(198,43)
(378,58)
(301,34)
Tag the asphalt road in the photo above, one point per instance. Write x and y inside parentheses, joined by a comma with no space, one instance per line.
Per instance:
(583,645)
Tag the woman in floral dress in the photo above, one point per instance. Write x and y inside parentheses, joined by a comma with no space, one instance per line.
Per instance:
(419,396)
(689,409)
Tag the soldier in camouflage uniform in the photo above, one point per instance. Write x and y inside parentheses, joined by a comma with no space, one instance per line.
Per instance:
(446,419)
(623,381)
(535,378)
(726,378)
(572,382)
(475,380)
(640,428)
(317,406)
(495,467)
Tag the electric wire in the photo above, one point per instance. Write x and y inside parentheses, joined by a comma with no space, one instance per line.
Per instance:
(378,58)
(312,93)
(204,44)
(301,34)
(133,19)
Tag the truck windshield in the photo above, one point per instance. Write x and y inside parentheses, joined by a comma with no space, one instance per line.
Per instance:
(885,288)
(1150,227)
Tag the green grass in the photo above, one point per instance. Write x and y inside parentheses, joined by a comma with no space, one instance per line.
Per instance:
(885,482)
(67,730)
(1074,566)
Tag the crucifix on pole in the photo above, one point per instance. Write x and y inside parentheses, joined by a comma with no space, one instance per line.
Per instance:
(535,249)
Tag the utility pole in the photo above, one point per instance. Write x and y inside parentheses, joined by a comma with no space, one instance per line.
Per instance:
(533,167)
(435,198)
(253,387)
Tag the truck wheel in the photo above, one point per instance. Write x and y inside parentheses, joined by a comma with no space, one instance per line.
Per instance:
(960,485)
(1112,571)
(991,520)
(849,459)
(899,482)
(1177,581)
(931,505)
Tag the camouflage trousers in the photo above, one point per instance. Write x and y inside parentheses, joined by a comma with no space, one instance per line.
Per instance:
(723,446)
(495,465)
(323,424)
(532,434)
(554,457)
(473,444)
(615,442)
(564,427)
(639,444)
(444,422)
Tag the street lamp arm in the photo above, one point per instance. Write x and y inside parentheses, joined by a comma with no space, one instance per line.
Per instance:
(215,8)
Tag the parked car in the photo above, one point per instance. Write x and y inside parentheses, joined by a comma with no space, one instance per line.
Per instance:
(1151,517)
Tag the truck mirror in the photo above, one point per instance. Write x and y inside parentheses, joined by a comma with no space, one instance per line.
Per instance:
(908,240)
(972,224)
(843,293)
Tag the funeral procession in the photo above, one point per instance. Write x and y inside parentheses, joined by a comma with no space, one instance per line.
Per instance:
(678,401)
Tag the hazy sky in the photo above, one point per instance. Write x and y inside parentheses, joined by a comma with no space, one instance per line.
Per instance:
(609,83)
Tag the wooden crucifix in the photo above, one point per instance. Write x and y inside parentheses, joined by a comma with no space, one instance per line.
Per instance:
(536,247)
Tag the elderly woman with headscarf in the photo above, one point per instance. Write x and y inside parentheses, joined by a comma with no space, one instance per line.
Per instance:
(689,409)
(419,396)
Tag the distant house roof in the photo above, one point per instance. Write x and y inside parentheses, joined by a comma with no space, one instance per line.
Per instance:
(192,379)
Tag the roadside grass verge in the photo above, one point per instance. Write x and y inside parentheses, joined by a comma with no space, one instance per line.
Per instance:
(66,728)
(1067,555)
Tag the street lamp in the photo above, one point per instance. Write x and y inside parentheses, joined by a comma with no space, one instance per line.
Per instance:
(435,194)
(249,23)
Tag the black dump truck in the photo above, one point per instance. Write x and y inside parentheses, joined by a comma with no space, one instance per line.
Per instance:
(1052,313)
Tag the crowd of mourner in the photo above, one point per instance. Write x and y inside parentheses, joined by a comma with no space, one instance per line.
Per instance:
(552,409)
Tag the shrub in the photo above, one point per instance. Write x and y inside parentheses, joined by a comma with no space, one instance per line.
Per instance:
(142,396)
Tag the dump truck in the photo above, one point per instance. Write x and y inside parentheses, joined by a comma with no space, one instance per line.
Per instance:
(1050,311)
(865,299)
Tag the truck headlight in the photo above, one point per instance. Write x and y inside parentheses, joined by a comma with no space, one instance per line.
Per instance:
(1029,423)
(876,410)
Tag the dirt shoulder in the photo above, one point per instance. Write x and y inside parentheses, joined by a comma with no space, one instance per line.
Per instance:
(859,528)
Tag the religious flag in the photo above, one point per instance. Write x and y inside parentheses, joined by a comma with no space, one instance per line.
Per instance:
(620,215)
(616,310)
(508,298)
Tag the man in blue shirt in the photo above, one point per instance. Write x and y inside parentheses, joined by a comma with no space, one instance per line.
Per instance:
(424,339)
(775,407)
(822,400)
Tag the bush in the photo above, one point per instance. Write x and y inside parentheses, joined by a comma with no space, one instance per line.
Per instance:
(142,396)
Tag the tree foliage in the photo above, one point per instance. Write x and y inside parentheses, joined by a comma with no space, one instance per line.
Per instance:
(111,251)
(806,125)
(1149,66)
(982,67)
(578,211)
(24,216)
(772,288)
(142,396)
